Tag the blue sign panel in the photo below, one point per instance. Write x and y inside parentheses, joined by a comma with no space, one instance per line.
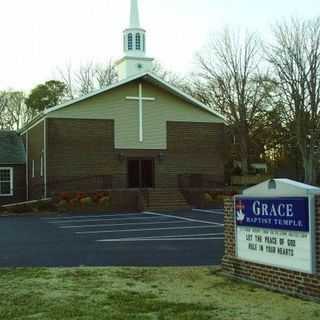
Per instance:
(273,213)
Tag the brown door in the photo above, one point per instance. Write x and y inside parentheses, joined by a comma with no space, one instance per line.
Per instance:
(141,173)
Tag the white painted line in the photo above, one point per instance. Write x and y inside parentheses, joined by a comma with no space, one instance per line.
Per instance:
(209,211)
(179,236)
(187,235)
(95,216)
(112,219)
(151,229)
(174,236)
(183,218)
(147,240)
(119,224)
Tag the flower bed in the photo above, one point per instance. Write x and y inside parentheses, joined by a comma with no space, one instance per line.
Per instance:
(78,202)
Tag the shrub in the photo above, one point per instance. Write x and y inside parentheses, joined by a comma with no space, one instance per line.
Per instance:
(62,205)
(86,202)
(105,202)
(67,196)
(208,197)
(80,195)
(75,202)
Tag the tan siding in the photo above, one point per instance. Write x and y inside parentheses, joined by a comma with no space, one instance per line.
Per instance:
(114,106)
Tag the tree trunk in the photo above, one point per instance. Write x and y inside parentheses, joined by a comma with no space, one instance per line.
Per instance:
(244,150)
(309,170)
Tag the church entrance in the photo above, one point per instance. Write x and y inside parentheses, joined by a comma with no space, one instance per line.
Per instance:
(141,173)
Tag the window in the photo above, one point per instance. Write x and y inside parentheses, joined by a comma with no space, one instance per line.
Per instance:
(130,41)
(6,182)
(138,41)
(144,42)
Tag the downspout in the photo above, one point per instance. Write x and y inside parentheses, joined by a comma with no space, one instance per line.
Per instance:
(45,157)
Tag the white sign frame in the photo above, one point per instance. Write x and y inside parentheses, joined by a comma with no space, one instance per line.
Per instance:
(312,269)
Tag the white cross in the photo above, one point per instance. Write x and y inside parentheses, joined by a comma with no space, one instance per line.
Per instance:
(140,98)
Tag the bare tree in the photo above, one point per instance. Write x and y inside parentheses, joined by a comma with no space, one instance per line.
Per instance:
(232,83)
(295,57)
(13,110)
(105,74)
(66,75)
(87,78)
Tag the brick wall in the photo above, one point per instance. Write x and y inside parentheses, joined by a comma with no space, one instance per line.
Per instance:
(295,283)
(80,151)
(80,155)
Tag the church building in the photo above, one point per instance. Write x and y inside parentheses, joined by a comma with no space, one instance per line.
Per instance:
(140,133)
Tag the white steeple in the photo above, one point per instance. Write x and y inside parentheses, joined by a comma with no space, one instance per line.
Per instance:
(134,15)
(134,47)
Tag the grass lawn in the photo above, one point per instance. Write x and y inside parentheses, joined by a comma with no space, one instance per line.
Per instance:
(141,293)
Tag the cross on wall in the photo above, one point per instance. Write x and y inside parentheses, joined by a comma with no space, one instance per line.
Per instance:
(140,99)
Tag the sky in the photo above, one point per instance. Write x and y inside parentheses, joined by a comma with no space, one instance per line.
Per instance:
(39,36)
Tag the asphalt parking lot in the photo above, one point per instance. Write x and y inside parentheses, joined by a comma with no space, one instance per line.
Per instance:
(187,238)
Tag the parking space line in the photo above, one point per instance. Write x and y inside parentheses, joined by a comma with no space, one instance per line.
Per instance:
(183,218)
(179,236)
(157,239)
(209,211)
(172,236)
(120,224)
(112,219)
(149,229)
(94,216)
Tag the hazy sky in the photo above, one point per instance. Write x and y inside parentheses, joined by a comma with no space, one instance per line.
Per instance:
(38,36)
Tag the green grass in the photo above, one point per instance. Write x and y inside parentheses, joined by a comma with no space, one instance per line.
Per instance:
(141,293)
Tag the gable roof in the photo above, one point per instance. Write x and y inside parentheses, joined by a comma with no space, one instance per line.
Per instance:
(147,76)
(11,148)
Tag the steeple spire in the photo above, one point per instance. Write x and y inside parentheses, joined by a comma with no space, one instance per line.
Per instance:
(134,47)
(134,15)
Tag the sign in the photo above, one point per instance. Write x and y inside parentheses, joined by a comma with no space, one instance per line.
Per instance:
(275,231)
(279,213)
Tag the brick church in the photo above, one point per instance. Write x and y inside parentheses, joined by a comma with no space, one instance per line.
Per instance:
(140,133)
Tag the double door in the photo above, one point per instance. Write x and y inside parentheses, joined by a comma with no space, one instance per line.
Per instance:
(141,173)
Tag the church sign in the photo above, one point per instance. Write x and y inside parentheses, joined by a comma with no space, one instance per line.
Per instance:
(275,231)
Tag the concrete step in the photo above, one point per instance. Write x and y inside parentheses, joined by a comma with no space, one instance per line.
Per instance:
(165,200)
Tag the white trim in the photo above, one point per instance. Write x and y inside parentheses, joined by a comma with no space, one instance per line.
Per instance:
(26,129)
(11,182)
(187,97)
(33,169)
(41,164)
(27,165)
(45,157)
(173,89)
